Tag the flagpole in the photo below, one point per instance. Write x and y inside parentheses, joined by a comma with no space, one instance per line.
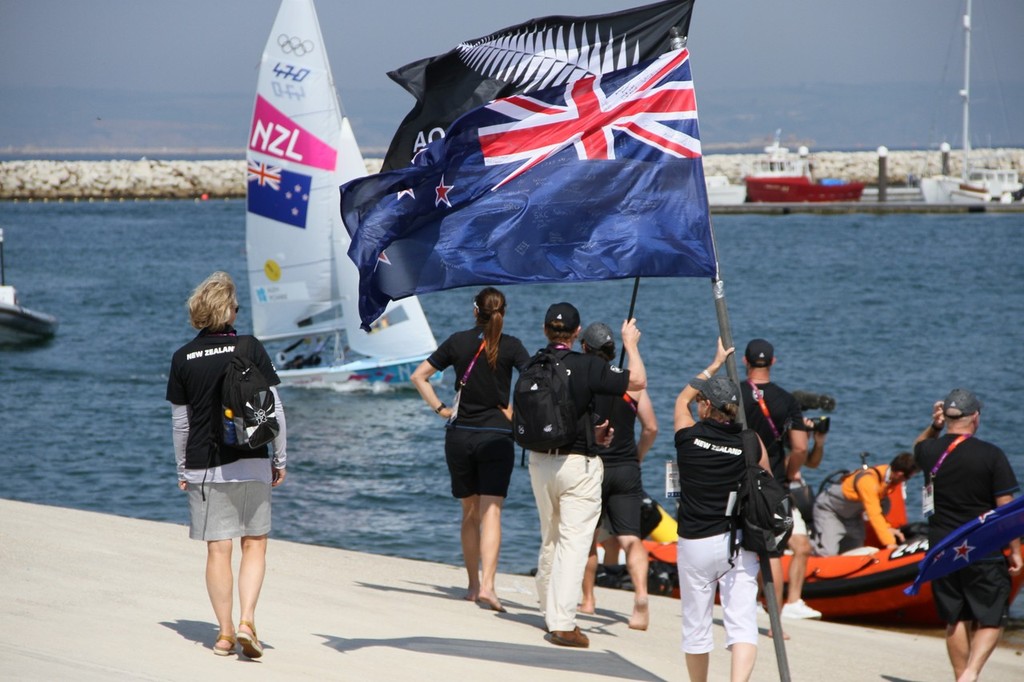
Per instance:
(725,332)
(677,41)
(632,307)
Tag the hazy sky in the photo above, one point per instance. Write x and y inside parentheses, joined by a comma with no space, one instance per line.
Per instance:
(214,46)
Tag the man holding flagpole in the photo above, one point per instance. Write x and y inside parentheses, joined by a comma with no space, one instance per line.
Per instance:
(966,477)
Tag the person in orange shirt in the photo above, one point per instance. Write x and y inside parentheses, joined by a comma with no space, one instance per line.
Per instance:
(839,511)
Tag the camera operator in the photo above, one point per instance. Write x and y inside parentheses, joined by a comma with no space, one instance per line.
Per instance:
(776,416)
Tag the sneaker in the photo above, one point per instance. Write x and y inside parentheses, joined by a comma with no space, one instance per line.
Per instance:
(799,610)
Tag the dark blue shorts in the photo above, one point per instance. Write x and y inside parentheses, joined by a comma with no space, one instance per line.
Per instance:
(480,462)
(978,592)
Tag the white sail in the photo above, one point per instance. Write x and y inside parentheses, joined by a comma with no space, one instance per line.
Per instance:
(300,149)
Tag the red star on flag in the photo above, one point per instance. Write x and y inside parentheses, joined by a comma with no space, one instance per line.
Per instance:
(963,551)
(442,194)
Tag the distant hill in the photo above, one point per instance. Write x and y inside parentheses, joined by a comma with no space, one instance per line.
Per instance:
(824,117)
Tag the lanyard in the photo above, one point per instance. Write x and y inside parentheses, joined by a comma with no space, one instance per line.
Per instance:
(472,363)
(952,446)
(758,395)
(633,404)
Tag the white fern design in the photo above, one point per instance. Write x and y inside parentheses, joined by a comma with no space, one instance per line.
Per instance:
(540,58)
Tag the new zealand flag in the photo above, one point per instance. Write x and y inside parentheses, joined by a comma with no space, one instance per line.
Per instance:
(976,539)
(277,194)
(597,179)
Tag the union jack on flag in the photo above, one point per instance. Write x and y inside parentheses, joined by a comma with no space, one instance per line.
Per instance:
(601,178)
(588,117)
(264,174)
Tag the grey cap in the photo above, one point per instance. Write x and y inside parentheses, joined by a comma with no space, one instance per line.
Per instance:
(597,335)
(719,390)
(960,403)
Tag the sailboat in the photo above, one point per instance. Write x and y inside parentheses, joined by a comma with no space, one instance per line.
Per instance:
(19,324)
(975,184)
(303,285)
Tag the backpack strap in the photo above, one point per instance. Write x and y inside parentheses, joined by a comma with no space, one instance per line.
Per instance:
(751,447)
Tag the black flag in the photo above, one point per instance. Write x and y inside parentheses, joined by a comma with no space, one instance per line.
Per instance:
(537,54)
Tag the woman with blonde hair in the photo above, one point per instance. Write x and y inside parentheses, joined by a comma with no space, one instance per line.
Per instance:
(478,444)
(228,485)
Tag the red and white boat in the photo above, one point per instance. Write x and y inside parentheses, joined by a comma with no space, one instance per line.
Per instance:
(780,176)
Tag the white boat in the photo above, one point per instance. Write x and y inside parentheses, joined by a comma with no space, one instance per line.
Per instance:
(19,324)
(975,185)
(303,285)
(721,192)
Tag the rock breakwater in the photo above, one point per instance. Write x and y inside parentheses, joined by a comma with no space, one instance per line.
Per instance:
(150,179)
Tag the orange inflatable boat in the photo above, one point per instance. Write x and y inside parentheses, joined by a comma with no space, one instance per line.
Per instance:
(863,587)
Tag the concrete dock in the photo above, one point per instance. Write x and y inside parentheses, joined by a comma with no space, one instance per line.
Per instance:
(91,596)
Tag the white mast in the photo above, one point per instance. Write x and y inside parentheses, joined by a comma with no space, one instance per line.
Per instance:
(965,94)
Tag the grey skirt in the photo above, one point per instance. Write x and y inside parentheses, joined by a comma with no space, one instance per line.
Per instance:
(230,510)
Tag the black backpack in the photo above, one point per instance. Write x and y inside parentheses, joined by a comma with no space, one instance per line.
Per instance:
(763,512)
(543,412)
(247,415)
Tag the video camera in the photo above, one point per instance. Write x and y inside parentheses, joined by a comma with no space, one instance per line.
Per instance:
(821,424)
(815,401)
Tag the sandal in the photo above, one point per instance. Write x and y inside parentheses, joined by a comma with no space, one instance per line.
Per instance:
(224,652)
(251,646)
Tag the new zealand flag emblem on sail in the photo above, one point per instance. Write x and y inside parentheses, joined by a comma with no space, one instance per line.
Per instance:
(277,194)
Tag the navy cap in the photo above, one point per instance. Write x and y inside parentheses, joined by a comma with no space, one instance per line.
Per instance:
(562,317)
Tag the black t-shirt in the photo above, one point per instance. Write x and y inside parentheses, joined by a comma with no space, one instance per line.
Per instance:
(621,413)
(967,483)
(785,414)
(590,376)
(486,389)
(711,465)
(196,368)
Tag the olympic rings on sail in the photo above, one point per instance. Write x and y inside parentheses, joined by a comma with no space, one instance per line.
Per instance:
(296,46)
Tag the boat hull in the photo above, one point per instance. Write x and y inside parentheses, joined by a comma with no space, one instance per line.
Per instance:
(21,325)
(365,374)
(800,190)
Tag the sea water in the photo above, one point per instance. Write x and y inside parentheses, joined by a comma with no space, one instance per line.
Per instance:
(886,313)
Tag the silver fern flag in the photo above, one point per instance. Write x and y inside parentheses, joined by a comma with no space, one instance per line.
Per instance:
(538,54)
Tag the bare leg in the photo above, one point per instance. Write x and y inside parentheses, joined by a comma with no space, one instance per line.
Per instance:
(697,667)
(251,571)
(801,546)
(490,546)
(220,584)
(744,656)
(636,563)
(982,642)
(471,544)
(589,603)
(958,646)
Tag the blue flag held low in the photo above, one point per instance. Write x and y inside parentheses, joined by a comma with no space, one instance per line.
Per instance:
(598,179)
(974,540)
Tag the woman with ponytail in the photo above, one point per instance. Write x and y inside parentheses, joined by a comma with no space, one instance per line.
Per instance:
(478,443)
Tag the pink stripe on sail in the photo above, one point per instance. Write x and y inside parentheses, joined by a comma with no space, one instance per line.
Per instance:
(275,134)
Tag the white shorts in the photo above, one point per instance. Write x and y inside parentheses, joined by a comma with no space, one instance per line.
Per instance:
(703,567)
(799,525)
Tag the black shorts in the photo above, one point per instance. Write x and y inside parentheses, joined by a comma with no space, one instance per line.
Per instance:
(480,462)
(978,592)
(622,494)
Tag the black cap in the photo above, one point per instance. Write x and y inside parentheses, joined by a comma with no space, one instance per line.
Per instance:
(598,335)
(562,317)
(760,353)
